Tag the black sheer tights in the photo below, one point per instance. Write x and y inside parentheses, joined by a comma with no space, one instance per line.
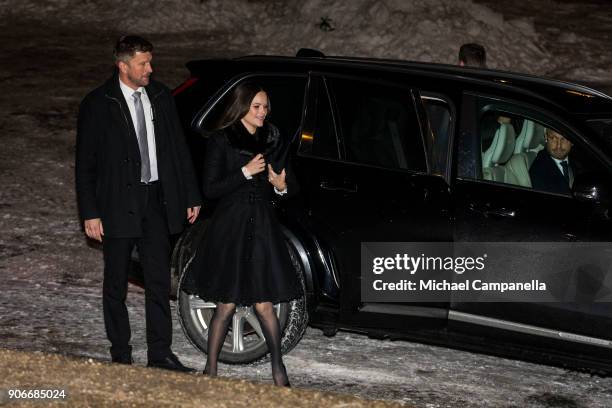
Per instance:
(271,330)
(216,335)
(270,327)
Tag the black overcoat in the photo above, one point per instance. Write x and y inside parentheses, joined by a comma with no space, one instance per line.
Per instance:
(546,176)
(108,161)
(243,256)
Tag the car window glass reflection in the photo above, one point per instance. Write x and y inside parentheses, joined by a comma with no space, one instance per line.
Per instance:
(378,125)
(318,135)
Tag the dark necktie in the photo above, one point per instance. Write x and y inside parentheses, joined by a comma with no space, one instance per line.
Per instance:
(143,144)
(565,171)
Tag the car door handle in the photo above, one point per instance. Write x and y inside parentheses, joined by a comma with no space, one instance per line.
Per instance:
(502,213)
(487,211)
(347,188)
(570,237)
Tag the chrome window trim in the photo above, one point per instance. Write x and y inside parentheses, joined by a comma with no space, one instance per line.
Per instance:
(527,329)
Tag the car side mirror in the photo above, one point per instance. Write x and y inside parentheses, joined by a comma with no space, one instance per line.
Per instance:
(591,188)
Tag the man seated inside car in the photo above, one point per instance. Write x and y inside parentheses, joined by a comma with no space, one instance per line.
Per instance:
(551,170)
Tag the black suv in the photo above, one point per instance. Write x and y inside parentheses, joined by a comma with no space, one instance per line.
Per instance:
(400,151)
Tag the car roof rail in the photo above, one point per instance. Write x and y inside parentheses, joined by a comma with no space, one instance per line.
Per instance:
(309,53)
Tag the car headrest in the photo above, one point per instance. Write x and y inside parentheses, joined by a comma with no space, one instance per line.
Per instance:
(537,140)
(502,146)
(523,140)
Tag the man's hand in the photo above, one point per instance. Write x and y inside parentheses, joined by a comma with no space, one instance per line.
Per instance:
(192,214)
(94,229)
(256,165)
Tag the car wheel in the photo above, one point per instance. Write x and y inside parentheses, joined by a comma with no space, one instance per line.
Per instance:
(244,342)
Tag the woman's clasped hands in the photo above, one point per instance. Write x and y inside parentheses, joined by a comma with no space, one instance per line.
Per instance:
(258,164)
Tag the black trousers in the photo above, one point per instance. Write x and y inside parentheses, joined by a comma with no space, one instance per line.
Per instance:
(154,253)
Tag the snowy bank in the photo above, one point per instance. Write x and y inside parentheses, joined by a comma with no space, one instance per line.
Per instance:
(423,30)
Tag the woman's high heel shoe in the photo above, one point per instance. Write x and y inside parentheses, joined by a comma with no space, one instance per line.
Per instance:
(287,383)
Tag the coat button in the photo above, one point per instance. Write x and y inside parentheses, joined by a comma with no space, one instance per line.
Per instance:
(131,212)
(250,237)
(138,163)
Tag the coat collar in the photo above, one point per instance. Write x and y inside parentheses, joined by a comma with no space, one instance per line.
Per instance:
(266,140)
(263,141)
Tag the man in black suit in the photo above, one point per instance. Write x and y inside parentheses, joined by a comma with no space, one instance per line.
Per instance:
(135,186)
(551,170)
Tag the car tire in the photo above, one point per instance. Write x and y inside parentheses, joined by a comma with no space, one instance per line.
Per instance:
(249,344)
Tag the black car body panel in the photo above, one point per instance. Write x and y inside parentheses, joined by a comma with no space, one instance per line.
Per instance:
(432,185)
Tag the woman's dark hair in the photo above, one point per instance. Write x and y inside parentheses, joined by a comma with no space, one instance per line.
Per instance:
(239,103)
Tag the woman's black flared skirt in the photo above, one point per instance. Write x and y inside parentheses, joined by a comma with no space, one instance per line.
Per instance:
(243,257)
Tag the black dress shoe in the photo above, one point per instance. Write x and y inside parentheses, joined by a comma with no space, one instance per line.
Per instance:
(170,362)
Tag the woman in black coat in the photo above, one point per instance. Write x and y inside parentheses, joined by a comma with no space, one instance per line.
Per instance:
(243,258)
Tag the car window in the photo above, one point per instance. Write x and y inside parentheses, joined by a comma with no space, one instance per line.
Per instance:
(603,127)
(378,124)
(318,134)
(520,151)
(286,95)
(438,130)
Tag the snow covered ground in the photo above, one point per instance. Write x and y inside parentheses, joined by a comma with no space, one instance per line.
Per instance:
(517,39)
(54,51)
